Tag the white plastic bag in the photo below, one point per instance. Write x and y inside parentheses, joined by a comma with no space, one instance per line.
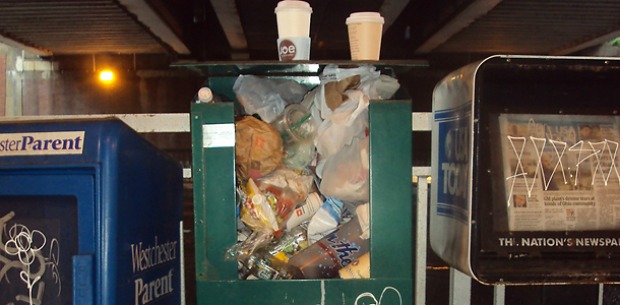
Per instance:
(380,88)
(333,73)
(345,174)
(347,122)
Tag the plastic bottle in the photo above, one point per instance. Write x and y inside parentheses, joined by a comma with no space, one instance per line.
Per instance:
(205,95)
(262,267)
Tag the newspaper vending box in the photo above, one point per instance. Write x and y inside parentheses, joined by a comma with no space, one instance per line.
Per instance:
(90,213)
(214,145)
(527,185)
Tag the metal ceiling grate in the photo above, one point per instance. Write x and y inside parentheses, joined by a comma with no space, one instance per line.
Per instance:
(76,27)
(537,27)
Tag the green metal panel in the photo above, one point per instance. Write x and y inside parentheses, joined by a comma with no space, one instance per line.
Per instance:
(305,292)
(390,189)
(214,194)
(391,219)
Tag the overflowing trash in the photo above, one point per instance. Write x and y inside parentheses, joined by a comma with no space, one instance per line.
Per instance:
(302,168)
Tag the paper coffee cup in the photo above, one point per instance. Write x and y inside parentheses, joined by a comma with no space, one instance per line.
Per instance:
(365,30)
(294,48)
(293,18)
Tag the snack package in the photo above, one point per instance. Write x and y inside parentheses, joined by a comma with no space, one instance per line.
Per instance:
(283,202)
(256,211)
(268,202)
(257,214)
(258,148)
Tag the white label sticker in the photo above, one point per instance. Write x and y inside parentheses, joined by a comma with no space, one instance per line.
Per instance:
(218,135)
(41,143)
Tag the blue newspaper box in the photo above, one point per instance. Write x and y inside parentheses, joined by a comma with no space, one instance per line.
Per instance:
(90,213)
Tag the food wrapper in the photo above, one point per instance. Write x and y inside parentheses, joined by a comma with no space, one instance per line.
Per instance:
(300,182)
(256,211)
(283,202)
(285,190)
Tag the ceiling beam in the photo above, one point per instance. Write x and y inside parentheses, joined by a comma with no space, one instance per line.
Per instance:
(151,19)
(587,44)
(14,44)
(467,16)
(228,17)
(390,10)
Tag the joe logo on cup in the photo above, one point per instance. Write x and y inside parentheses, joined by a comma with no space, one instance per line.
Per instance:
(294,48)
(293,19)
(287,50)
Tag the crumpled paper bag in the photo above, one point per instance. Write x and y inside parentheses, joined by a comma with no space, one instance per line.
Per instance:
(258,148)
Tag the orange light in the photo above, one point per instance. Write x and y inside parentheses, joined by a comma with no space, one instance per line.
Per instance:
(106,76)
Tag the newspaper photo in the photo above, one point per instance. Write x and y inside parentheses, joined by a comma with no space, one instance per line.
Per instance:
(560,171)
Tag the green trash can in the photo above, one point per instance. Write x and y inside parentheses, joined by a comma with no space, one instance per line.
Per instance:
(213,148)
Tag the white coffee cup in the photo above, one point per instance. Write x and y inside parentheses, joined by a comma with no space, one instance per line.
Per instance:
(365,31)
(293,18)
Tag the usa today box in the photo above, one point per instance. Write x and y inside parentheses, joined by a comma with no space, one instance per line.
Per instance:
(525,179)
(96,208)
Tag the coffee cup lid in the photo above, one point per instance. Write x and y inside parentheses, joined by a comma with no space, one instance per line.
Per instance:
(293,5)
(365,17)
